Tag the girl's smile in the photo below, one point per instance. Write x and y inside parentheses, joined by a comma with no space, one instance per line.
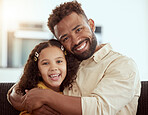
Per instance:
(52,67)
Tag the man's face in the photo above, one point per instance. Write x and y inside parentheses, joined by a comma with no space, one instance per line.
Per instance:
(76,35)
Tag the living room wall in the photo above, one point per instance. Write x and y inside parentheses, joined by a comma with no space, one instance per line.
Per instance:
(124,23)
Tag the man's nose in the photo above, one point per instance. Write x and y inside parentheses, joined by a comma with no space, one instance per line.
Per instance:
(75,39)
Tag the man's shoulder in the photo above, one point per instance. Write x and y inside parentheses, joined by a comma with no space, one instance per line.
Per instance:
(122,61)
(120,56)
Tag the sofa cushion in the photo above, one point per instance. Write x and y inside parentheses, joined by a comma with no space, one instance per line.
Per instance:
(7,109)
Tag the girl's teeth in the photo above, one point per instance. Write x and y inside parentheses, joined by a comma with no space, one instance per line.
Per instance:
(52,76)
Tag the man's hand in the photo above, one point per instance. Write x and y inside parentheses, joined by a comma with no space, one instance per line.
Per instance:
(15,99)
(34,99)
(45,110)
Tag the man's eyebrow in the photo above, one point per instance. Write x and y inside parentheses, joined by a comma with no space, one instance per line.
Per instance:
(66,34)
(75,27)
(62,36)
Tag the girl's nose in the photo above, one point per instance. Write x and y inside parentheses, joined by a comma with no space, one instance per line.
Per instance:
(53,67)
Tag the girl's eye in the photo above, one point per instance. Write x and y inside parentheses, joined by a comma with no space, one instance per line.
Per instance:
(45,63)
(59,61)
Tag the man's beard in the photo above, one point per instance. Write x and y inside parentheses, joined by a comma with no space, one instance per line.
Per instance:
(88,53)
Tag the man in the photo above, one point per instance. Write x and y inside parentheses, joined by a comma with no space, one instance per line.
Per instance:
(107,82)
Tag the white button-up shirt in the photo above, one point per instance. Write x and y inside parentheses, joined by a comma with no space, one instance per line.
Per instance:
(108,84)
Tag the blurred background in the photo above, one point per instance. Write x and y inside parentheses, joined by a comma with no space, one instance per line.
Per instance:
(23,24)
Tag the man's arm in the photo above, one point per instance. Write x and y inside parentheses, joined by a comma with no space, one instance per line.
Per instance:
(66,105)
(15,99)
(45,110)
(118,90)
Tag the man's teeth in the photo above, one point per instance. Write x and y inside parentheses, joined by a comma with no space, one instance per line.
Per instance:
(52,76)
(81,46)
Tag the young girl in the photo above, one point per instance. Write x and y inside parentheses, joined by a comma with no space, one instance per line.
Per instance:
(49,67)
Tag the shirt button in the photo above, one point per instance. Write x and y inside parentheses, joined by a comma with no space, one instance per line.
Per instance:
(75,90)
(83,64)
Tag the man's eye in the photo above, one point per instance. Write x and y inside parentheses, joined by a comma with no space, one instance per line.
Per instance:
(79,29)
(65,39)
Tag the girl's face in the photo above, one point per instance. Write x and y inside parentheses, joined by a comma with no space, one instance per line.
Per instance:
(52,67)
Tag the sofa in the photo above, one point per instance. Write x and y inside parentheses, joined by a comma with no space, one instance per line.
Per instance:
(7,109)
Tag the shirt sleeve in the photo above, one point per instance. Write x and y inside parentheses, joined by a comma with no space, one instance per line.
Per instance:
(9,92)
(118,87)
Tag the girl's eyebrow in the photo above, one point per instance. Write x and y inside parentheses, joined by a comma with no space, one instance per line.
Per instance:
(55,58)
(60,57)
(44,60)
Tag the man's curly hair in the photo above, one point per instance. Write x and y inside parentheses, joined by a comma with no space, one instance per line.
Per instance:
(31,78)
(62,11)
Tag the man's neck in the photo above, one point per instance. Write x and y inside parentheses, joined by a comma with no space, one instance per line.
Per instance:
(98,47)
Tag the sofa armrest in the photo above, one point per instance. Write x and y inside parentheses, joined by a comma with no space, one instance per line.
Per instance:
(5,107)
(143,100)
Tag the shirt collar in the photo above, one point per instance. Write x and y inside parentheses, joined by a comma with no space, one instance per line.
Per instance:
(102,52)
(98,55)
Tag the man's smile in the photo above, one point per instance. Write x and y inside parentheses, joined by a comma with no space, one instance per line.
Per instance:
(81,47)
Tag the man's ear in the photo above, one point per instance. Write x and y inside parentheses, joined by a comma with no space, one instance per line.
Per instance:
(91,24)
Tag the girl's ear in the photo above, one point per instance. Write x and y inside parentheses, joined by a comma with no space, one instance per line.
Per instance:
(91,24)
(39,74)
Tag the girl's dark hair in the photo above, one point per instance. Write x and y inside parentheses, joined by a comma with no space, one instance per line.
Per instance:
(62,11)
(30,77)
